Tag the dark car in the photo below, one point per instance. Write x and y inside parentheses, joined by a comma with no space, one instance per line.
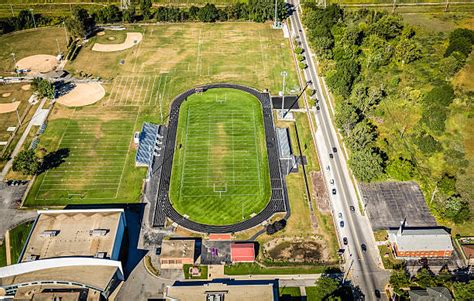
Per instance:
(334,191)
(377,294)
(364,247)
(158,251)
(341,223)
(352,208)
(331,156)
(344,240)
(334,149)
(317,108)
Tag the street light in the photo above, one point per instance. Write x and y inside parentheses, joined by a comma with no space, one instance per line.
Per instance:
(33,15)
(14,62)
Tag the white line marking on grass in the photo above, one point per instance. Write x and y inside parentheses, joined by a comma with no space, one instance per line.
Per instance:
(141,90)
(123,91)
(128,91)
(126,157)
(152,90)
(198,57)
(138,50)
(163,94)
(111,91)
(135,91)
(256,149)
(118,89)
(157,95)
(146,91)
(184,155)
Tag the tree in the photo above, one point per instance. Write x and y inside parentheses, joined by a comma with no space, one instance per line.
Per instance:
(363,134)
(378,52)
(341,81)
(434,117)
(366,164)
(26,162)
(460,40)
(145,9)
(463,291)
(407,51)
(80,23)
(129,14)
(24,20)
(441,94)
(400,169)
(325,287)
(447,185)
(456,209)
(425,278)
(208,13)
(399,279)
(346,117)
(427,144)
(43,88)
(388,27)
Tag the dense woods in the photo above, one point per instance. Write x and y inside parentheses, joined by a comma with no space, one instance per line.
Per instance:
(394,100)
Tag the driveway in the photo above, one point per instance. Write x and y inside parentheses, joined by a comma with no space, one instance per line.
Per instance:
(10,216)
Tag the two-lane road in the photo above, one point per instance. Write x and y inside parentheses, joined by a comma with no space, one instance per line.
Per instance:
(363,266)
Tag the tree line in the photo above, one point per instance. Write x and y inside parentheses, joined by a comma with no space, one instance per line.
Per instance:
(377,66)
(142,10)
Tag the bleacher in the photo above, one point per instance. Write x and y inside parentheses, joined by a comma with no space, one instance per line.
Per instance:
(150,142)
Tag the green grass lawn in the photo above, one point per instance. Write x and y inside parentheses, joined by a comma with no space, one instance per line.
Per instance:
(202,270)
(256,269)
(220,167)
(100,151)
(18,236)
(3,255)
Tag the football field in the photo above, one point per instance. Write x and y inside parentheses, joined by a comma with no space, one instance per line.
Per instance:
(220,169)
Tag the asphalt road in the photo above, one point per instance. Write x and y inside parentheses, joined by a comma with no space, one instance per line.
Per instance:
(364,269)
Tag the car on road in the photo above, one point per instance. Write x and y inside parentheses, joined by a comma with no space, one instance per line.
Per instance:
(331,181)
(340,214)
(377,294)
(344,240)
(328,167)
(341,223)
(334,149)
(317,108)
(334,191)
(363,247)
(158,250)
(352,208)
(331,156)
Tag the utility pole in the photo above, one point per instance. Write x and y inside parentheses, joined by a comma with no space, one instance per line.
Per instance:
(276,25)
(65,33)
(14,62)
(17,114)
(59,49)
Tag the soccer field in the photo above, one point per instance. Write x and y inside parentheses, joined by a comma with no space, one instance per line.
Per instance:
(220,169)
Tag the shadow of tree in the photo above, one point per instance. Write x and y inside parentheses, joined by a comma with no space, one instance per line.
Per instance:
(54,159)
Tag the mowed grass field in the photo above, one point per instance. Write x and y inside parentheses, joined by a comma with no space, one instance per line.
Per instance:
(220,167)
(170,59)
(98,145)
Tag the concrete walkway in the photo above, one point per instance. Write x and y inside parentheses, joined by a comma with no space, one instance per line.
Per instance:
(19,145)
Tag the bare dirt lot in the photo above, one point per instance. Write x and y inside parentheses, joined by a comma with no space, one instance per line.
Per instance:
(133,38)
(82,94)
(40,63)
(300,250)
(320,191)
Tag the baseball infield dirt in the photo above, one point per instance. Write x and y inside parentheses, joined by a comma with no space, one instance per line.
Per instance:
(40,63)
(9,107)
(82,94)
(133,38)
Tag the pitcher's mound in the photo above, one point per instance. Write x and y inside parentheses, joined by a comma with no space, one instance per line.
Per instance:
(6,94)
(26,87)
(83,94)
(40,63)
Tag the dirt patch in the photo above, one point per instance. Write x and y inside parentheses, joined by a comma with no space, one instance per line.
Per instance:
(40,63)
(101,33)
(82,94)
(26,87)
(111,38)
(7,94)
(9,107)
(320,191)
(133,38)
(299,250)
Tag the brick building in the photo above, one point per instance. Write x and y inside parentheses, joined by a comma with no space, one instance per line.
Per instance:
(421,242)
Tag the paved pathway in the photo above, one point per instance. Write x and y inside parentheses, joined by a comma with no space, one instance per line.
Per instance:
(19,145)
(7,248)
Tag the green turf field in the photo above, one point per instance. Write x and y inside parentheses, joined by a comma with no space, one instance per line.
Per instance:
(220,169)
(99,146)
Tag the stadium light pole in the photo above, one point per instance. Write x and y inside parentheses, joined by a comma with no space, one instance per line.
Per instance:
(14,63)
(33,15)
(296,100)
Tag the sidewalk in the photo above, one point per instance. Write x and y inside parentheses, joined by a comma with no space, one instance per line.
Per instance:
(19,145)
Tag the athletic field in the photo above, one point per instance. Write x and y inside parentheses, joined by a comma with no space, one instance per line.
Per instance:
(220,170)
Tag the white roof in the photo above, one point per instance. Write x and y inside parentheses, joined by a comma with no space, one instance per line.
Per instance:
(421,240)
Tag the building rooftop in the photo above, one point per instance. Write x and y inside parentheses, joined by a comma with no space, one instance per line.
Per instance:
(67,233)
(421,239)
(199,291)
(430,294)
(177,248)
(56,292)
